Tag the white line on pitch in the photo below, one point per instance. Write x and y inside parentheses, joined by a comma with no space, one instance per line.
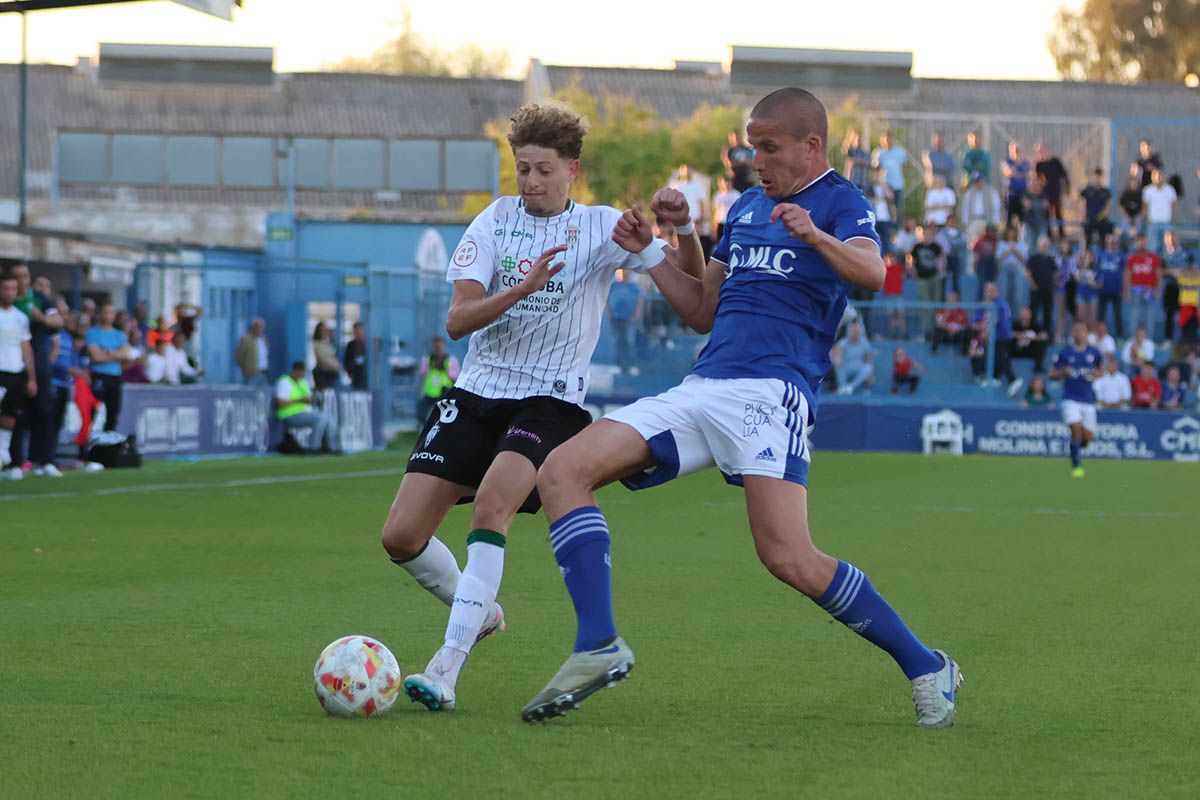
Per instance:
(174,487)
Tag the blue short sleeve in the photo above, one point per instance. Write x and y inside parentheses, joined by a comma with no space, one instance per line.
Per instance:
(856,220)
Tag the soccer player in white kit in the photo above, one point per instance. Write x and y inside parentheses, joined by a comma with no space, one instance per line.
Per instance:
(531,279)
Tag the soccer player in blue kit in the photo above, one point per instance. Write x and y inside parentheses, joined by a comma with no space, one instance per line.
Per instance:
(1077,366)
(772,296)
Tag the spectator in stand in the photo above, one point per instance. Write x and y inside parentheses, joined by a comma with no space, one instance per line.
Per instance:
(161,332)
(939,201)
(1011,255)
(1066,287)
(893,291)
(1132,208)
(984,252)
(1143,281)
(1113,389)
(1159,199)
(1173,391)
(881,198)
(1029,340)
(722,201)
(187,317)
(1056,184)
(18,377)
(1102,340)
(738,159)
(294,407)
(1001,313)
(156,362)
(1036,395)
(180,368)
(950,325)
(133,369)
(1042,273)
(354,359)
(950,238)
(1175,260)
(1184,358)
(1110,270)
(253,354)
(625,305)
(1188,279)
(938,162)
(1138,352)
(903,366)
(906,238)
(107,348)
(438,372)
(857,369)
(140,316)
(696,192)
(1016,169)
(1148,160)
(927,263)
(977,352)
(1097,224)
(891,158)
(977,161)
(1147,389)
(857,161)
(1037,212)
(980,207)
(327,370)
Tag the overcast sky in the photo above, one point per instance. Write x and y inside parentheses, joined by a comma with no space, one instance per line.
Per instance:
(999,38)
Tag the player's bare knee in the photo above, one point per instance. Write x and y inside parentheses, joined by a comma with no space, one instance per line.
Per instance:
(798,567)
(492,512)
(560,472)
(400,540)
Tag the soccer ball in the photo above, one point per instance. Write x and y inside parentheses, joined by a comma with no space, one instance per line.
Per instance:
(356,676)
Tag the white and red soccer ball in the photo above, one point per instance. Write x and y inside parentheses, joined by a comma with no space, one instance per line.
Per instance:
(356,676)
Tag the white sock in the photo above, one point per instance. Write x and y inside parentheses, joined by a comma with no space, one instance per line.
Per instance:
(476,590)
(436,569)
(5,441)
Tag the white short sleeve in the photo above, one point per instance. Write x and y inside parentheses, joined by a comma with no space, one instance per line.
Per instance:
(475,257)
(283,389)
(613,255)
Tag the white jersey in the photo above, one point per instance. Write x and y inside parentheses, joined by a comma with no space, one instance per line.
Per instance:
(14,329)
(543,344)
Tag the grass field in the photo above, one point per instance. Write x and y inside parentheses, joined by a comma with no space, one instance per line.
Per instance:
(158,631)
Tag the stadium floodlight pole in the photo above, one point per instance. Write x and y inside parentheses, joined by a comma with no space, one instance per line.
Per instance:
(23,121)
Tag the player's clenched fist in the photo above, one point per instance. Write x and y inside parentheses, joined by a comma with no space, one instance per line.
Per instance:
(633,232)
(797,221)
(671,205)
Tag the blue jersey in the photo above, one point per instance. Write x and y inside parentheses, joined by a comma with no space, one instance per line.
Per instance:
(1110,267)
(1079,366)
(781,303)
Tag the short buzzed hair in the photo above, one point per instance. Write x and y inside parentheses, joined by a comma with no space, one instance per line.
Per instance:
(797,110)
(548,125)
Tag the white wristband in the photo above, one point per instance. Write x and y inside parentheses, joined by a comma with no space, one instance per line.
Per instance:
(652,255)
(685,230)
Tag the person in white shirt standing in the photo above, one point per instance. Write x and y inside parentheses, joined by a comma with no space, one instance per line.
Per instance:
(531,280)
(1159,198)
(18,380)
(723,200)
(939,201)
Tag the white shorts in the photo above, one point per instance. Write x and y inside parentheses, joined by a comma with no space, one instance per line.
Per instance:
(745,426)
(1075,412)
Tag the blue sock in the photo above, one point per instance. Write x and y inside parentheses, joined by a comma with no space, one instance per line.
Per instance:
(1075,455)
(580,542)
(853,601)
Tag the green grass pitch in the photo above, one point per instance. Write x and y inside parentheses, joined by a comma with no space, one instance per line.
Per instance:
(158,631)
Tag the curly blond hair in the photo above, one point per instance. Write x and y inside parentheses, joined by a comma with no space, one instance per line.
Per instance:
(550,125)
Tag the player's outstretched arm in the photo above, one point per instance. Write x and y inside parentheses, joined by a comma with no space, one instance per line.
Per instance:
(857,261)
(471,308)
(671,205)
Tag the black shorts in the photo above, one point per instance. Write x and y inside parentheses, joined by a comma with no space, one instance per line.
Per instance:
(465,433)
(12,386)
